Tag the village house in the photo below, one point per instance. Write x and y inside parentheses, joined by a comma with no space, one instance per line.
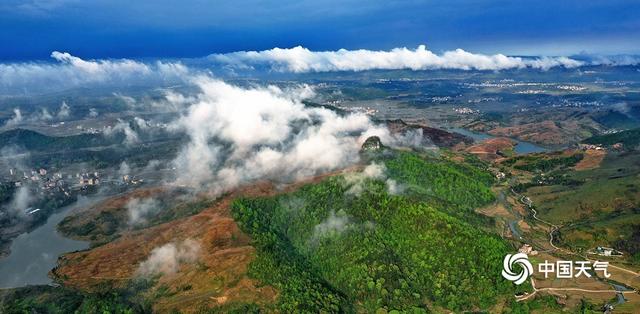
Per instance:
(527,249)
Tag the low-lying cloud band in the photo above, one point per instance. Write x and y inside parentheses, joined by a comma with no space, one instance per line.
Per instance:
(301,60)
(70,71)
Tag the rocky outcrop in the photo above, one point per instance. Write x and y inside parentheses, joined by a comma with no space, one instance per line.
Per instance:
(372,143)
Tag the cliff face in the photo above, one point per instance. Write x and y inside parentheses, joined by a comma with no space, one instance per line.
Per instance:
(439,137)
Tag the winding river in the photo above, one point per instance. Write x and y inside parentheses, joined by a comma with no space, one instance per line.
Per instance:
(35,253)
(521,149)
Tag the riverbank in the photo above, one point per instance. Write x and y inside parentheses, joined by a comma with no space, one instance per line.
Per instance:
(521,147)
(33,254)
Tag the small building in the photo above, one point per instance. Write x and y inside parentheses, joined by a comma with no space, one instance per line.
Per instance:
(590,147)
(527,249)
(88,179)
(607,308)
(607,251)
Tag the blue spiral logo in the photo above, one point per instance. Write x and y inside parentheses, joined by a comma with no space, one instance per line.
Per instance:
(508,271)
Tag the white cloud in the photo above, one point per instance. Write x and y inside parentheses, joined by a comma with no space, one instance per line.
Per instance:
(177,98)
(139,209)
(15,157)
(141,123)
(124,169)
(102,68)
(21,200)
(415,138)
(93,112)
(374,171)
(168,258)
(43,116)
(616,60)
(64,112)
(128,100)
(356,180)
(300,60)
(17,118)
(238,135)
(130,136)
(393,187)
(546,63)
(334,225)
(71,71)
(37,117)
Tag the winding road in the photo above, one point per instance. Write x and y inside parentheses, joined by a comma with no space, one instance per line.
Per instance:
(521,198)
(535,290)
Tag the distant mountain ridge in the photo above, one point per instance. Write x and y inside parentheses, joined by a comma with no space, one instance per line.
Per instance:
(32,140)
(629,138)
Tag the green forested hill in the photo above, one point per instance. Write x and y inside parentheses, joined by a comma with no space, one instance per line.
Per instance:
(326,249)
(100,150)
(32,140)
(459,184)
(629,138)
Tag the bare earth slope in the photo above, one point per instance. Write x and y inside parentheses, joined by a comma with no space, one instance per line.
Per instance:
(219,275)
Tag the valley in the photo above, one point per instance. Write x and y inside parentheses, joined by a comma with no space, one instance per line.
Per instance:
(454,176)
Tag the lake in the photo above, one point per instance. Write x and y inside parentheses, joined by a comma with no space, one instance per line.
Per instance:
(35,253)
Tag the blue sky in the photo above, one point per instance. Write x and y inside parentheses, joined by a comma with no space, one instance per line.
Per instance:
(32,29)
